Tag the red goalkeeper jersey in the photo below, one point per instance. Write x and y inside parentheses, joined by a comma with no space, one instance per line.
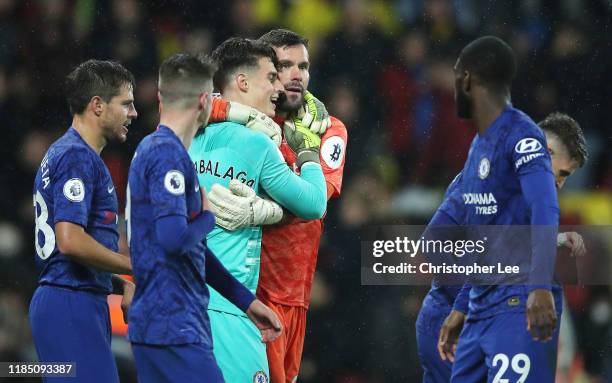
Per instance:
(289,251)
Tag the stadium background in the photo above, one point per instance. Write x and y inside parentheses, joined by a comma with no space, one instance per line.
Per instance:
(382,67)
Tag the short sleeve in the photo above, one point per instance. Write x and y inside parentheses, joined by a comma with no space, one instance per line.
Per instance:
(333,154)
(74,186)
(528,150)
(166,175)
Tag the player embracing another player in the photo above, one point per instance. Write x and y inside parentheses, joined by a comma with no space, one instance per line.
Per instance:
(228,157)
(289,249)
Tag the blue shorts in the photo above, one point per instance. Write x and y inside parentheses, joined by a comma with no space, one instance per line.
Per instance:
(430,320)
(500,347)
(73,326)
(185,363)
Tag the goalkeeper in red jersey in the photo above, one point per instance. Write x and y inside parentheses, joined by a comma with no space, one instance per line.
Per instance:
(290,245)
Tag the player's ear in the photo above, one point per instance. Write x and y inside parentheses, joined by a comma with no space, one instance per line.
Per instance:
(242,82)
(204,101)
(159,98)
(97,105)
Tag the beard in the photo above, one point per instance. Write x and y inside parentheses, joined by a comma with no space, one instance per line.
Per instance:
(289,104)
(463,105)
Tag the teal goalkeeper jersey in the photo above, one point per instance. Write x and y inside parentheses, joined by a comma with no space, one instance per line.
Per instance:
(225,151)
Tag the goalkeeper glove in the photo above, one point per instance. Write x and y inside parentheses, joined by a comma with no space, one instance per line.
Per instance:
(239,207)
(314,114)
(304,143)
(250,117)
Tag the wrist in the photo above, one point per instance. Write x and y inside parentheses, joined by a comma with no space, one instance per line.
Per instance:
(307,155)
(220,109)
(238,113)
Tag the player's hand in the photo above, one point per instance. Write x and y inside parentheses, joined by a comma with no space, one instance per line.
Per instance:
(541,315)
(205,204)
(128,294)
(266,321)
(449,335)
(255,120)
(239,207)
(263,211)
(572,241)
(314,115)
(304,143)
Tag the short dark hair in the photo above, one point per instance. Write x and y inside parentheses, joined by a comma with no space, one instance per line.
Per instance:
(569,132)
(95,78)
(236,53)
(184,75)
(491,59)
(283,37)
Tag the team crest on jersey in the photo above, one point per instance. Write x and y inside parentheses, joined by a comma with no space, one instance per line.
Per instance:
(484,168)
(174,182)
(74,190)
(333,152)
(260,377)
(527,145)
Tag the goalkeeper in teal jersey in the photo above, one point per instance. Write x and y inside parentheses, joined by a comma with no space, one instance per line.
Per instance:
(237,158)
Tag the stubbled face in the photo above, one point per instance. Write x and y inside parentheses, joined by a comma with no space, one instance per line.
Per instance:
(463,102)
(294,75)
(562,165)
(118,115)
(263,87)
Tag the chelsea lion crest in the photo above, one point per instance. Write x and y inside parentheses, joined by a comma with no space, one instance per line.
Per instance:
(484,168)
(260,377)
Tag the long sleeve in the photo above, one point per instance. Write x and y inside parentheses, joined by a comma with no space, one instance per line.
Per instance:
(221,280)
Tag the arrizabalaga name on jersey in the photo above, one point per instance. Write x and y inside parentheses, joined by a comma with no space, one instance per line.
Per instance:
(207,167)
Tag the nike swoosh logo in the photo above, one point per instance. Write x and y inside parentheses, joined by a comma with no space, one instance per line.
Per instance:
(110,189)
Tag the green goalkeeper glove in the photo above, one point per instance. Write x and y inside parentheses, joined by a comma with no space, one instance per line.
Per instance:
(314,115)
(304,143)
(239,207)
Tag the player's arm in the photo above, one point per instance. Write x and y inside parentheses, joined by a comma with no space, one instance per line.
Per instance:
(252,118)
(227,285)
(539,193)
(533,167)
(305,195)
(175,233)
(239,206)
(177,236)
(532,164)
(73,185)
(126,289)
(448,338)
(287,217)
(74,242)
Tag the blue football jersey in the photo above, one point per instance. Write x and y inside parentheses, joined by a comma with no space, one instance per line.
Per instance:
(171,293)
(512,147)
(73,185)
